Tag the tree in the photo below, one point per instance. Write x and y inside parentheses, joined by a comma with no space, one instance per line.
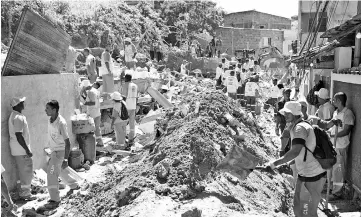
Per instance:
(186,18)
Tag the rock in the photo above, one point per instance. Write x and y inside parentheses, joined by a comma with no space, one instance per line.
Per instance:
(162,168)
(194,212)
(176,162)
(162,189)
(127,195)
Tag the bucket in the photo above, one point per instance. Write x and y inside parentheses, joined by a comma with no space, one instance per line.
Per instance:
(76,159)
(87,146)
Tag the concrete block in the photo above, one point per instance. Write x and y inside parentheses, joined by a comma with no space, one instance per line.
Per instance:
(38,90)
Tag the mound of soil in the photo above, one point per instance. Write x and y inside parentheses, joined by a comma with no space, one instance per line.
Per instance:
(181,162)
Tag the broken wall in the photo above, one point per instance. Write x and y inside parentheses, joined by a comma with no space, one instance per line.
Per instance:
(38,90)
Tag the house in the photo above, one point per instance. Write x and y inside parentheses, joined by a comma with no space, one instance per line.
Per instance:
(335,59)
(253,30)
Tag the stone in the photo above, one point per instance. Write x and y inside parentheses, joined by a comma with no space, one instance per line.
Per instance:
(194,212)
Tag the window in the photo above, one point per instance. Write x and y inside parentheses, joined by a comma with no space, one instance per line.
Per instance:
(269,41)
(261,27)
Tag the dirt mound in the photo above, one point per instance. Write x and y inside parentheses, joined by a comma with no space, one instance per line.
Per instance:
(181,162)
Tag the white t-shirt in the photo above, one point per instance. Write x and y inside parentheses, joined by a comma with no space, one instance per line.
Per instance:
(57,133)
(325,111)
(232,84)
(132,96)
(275,92)
(347,117)
(251,88)
(18,123)
(93,95)
(183,69)
(310,167)
(245,66)
(130,50)
(219,72)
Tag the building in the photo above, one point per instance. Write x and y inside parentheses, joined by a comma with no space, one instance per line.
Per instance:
(334,58)
(257,20)
(335,14)
(253,30)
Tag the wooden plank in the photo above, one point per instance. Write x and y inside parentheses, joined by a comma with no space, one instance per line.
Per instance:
(14,40)
(39,47)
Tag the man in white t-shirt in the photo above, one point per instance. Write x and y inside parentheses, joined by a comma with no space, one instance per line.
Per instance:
(326,109)
(91,66)
(275,93)
(93,110)
(129,53)
(130,90)
(251,91)
(246,65)
(20,146)
(310,173)
(342,143)
(58,150)
(184,67)
(219,74)
(232,85)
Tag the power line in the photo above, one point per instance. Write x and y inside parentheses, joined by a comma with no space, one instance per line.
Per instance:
(312,25)
(345,11)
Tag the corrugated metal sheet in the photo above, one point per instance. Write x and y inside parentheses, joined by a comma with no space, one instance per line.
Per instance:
(344,29)
(39,47)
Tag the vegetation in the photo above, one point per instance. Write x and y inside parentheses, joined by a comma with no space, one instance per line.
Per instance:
(93,24)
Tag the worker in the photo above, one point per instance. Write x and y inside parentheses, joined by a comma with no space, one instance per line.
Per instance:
(184,67)
(158,51)
(326,109)
(70,60)
(342,143)
(20,146)
(129,53)
(152,46)
(93,109)
(9,211)
(310,173)
(219,75)
(275,93)
(251,62)
(225,64)
(251,91)
(256,67)
(246,65)
(280,120)
(118,124)
(107,70)
(90,64)
(58,150)
(232,85)
(130,90)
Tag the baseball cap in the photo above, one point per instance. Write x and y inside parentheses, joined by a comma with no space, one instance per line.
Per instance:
(16,100)
(85,83)
(323,93)
(291,107)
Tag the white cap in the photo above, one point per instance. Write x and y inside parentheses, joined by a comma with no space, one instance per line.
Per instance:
(85,83)
(165,87)
(116,96)
(323,93)
(291,107)
(16,100)
(128,39)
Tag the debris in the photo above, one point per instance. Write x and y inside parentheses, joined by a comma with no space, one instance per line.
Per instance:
(194,212)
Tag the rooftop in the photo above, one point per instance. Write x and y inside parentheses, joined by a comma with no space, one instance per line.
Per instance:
(240,12)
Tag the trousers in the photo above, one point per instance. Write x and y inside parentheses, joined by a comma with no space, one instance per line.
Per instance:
(98,133)
(120,132)
(338,172)
(131,114)
(314,188)
(54,171)
(25,168)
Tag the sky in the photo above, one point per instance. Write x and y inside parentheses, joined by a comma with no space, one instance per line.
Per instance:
(284,8)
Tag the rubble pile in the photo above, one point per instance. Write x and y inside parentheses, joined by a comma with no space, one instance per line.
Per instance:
(180,163)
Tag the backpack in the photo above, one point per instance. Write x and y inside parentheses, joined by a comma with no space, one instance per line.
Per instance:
(311,97)
(324,152)
(124,112)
